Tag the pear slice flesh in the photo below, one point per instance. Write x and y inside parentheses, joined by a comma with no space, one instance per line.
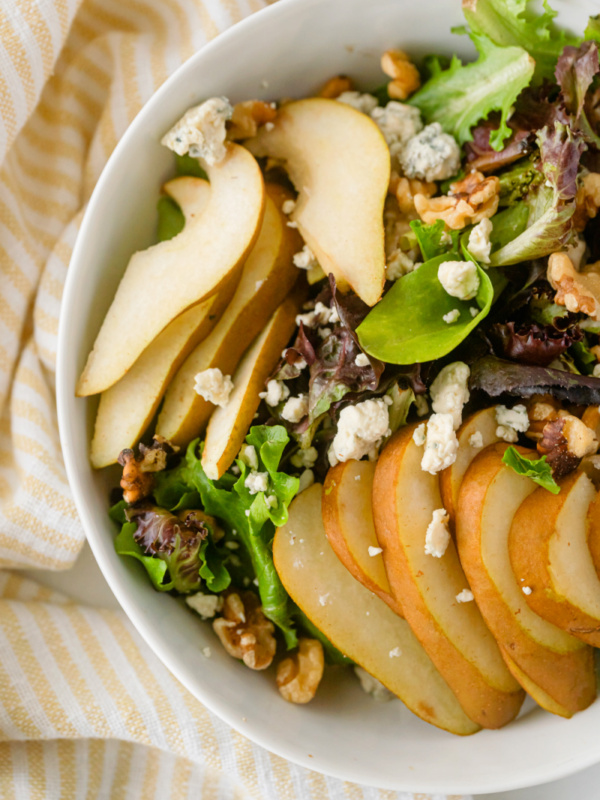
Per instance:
(339,163)
(549,553)
(267,277)
(356,621)
(160,283)
(348,520)
(454,634)
(559,664)
(229,425)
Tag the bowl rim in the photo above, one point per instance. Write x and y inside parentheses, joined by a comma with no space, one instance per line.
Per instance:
(65,398)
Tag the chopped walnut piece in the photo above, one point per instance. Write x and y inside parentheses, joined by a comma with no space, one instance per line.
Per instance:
(579,292)
(299,675)
(582,440)
(336,86)
(591,418)
(244,630)
(587,201)
(247,117)
(405,76)
(135,483)
(469,201)
(565,441)
(540,410)
(405,190)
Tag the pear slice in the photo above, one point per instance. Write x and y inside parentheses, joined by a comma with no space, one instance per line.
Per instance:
(561,666)
(229,425)
(454,634)
(549,553)
(356,621)
(483,422)
(348,520)
(339,162)
(267,277)
(163,281)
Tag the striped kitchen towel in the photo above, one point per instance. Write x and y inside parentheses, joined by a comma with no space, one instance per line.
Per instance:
(86,711)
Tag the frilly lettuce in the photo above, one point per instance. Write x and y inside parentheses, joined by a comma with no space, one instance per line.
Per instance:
(575,72)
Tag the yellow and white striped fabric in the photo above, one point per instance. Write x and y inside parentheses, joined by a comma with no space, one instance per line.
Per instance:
(78,718)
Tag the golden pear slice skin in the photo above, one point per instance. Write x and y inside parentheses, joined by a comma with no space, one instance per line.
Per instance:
(163,281)
(339,163)
(229,425)
(358,622)
(267,277)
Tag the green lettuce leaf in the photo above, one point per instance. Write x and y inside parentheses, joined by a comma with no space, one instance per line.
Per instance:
(593,29)
(462,95)
(432,240)
(213,569)
(513,23)
(407,325)
(170,219)
(538,470)
(188,165)
(125,545)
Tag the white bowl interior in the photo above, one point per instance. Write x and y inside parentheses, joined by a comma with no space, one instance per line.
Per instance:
(288,49)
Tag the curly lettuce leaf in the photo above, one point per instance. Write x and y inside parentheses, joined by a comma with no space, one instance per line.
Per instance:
(575,72)
(170,219)
(126,545)
(531,343)
(432,239)
(212,567)
(407,325)
(513,23)
(462,95)
(551,205)
(251,518)
(537,469)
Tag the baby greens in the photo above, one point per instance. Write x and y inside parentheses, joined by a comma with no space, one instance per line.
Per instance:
(537,469)
(407,326)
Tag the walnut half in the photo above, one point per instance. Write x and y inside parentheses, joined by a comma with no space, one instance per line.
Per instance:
(565,441)
(244,630)
(298,676)
(579,292)
(470,200)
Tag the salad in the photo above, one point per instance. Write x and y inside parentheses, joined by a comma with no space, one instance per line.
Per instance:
(354,387)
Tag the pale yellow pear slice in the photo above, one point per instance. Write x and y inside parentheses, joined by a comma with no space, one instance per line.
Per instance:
(348,520)
(267,277)
(339,163)
(163,281)
(454,634)
(358,622)
(229,425)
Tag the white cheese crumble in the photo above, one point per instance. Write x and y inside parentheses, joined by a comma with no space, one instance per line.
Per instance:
(360,431)
(479,244)
(399,123)
(288,206)
(526,590)
(437,536)
(213,386)
(596,371)
(395,652)
(399,264)
(451,316)
(459,279)
(257,481)
(305,458)
(466,596)
(372,686)
(375,551)
(364,103)
(206,652)
(362,360)
(305,259)
(511,422)
(249,456)
(323,599)
(450,391)
(473,311)
(431,155)
(320,315)
(419,435)
(421,405)
(476,439)
(307,478)
(441,444)
(276,392)
(201,131)
(206,605)
(295,408)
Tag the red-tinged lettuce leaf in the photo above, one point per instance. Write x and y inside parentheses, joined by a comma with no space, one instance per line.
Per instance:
(482,156)
(496,377)
(529,343)
(551,205)
(575,73)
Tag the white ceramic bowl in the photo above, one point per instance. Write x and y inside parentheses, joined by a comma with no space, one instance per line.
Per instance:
(292,46)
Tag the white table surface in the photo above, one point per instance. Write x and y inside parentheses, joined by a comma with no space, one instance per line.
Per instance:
(86,584)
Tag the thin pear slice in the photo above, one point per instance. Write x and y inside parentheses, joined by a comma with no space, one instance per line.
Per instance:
(454,634)
(594,533)
(356,621)
(549,553)
(339,162)
(229,425)
(267,277)
(163,281)
(483,422)
(533,690)
(560,665)
(348,520)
